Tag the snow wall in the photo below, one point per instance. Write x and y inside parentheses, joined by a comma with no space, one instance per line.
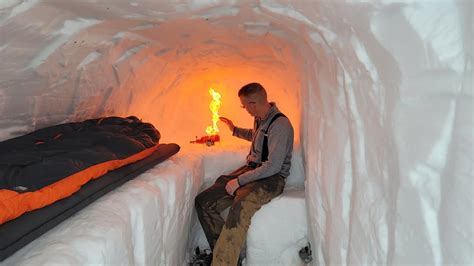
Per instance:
(379,92)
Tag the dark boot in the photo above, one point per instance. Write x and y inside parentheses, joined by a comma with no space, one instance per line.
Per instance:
(242,255)
(239,262)
(201,258)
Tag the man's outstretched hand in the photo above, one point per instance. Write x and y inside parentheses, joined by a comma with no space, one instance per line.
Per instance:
(228,122)
(232,186)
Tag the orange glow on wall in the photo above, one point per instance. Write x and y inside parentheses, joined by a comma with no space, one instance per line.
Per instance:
(214,107)
(170,89)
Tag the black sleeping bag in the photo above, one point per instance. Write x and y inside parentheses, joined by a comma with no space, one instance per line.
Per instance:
(48,175)
(33,161)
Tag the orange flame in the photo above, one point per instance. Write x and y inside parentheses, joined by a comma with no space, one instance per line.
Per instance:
(214,106)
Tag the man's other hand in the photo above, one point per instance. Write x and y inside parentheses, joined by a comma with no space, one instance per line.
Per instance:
(228,122)
(232,186)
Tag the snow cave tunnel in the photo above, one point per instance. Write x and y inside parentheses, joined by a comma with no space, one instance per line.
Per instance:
(379,94)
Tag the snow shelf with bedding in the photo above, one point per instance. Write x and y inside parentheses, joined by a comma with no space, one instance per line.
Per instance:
(146,221)
(143,222)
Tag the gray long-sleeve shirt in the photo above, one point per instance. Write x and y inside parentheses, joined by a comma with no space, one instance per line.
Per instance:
(280,146)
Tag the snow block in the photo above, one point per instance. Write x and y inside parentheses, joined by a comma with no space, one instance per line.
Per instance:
(278,231)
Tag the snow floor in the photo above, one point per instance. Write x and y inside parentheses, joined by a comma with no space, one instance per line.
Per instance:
(151,219)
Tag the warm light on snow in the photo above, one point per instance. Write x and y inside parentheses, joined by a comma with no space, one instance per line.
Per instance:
(214,107)
(379,93)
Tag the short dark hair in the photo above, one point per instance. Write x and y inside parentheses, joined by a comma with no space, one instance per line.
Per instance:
(252,88)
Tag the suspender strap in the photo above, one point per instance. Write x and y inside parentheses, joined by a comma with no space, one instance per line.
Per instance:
(265,138)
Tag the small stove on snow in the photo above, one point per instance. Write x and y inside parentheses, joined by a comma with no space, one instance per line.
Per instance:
(212,131)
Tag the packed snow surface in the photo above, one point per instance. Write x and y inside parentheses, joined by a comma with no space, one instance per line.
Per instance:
(379,92)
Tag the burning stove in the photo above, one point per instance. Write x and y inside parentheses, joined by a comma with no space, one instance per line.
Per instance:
(208,140)
(212,136)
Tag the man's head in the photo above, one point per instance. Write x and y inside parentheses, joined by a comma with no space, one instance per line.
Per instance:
(253,98)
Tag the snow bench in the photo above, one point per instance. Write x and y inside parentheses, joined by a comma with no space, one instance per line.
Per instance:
(279,229)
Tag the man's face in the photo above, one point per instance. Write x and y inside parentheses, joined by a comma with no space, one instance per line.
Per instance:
(250,104)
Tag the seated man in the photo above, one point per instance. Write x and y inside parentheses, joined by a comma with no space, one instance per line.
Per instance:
(251,186)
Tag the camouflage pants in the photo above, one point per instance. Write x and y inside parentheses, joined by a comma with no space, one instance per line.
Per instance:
(226,238)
